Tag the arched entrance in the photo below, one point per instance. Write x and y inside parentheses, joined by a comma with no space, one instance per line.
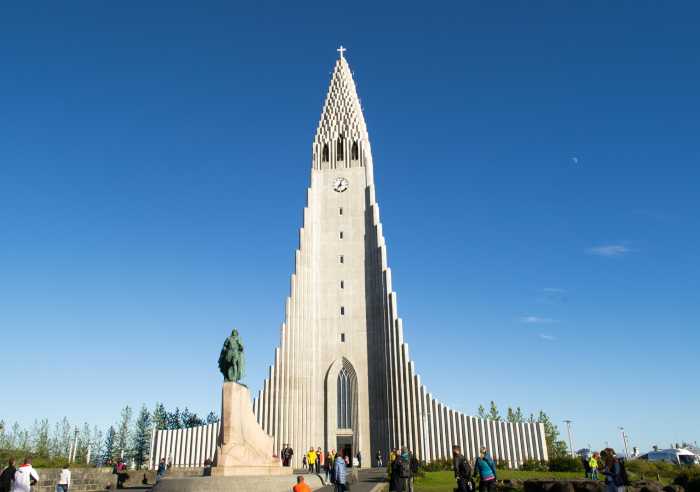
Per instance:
(341,408)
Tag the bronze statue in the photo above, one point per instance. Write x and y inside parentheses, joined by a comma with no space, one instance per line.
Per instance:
(231,362)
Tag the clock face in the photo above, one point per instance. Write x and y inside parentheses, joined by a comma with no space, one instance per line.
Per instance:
(340,184)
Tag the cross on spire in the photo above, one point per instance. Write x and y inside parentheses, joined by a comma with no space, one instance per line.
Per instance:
(341,50)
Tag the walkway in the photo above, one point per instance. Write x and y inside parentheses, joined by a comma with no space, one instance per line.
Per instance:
(371,480)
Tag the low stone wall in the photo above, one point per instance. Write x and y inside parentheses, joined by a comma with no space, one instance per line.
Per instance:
(91,479)
(582,486)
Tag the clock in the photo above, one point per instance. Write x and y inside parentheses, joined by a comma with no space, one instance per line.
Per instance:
(340,185)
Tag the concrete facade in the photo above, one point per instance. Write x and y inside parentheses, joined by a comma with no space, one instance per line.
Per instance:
(342,312)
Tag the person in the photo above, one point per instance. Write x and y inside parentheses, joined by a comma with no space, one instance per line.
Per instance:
(287,453)
(380,463)
(64,480)
(462,469)
(614,471)
(355,462)
(311,459)
(303,461)
(122,476)
(319,460)
(161,470)
(586,465)
(301,485)
(25,477)
(406,469)
(328,466)
(593,464)
(208,463)
(340,473)
(7,476)
(487,471)
(359,459)
(395,482)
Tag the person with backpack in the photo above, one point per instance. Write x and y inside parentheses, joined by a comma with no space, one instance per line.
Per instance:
(615,472)
(462,469)
(487,471)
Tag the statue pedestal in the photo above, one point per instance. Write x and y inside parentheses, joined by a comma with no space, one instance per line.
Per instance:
(244,448)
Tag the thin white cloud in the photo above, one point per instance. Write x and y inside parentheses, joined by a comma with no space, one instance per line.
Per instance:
(609,250)
(536,320)
(553,290)
(574,159)
(549,338)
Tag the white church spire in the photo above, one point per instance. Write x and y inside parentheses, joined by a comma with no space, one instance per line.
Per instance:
(342,114)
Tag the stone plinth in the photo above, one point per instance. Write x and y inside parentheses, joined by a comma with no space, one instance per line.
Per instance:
(244,448)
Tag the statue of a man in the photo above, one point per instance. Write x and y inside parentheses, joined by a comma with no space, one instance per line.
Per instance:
(231,362)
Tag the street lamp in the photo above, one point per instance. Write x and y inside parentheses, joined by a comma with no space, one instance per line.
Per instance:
(568,429)
(624,441)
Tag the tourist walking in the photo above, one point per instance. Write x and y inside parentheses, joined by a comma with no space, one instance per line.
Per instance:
(359,459)
(328,466)
(122,476)
(7,476)
(340,473)
(311,459)
(64,480)
(301,485)
(161,470)
(380,463)
(319,460)
(593,464)
(487,471)
(462,469)
(614,471)
(287,453)
(25,477)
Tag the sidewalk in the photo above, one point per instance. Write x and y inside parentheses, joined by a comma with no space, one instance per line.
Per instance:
(371,480)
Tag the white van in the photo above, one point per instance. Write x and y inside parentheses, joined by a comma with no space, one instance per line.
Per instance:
(675,456)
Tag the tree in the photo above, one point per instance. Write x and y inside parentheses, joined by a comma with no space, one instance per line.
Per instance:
(122,438)
(174,421)
(556,448)
(142,437)
(493,412)
(189,419)
(96,452)
(515,416)
(40,438)
(109,447)
(482,412)
(160,416)
(60,438)
(212,418)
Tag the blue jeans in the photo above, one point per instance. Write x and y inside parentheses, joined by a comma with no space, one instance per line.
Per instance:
(594,474)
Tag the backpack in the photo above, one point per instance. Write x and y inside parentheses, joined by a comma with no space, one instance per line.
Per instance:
(405,468)
(621,479)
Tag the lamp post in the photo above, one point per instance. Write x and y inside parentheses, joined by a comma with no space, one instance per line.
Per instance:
(568,429)
(624,441)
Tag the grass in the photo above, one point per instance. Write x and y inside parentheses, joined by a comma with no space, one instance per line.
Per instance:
(444,481)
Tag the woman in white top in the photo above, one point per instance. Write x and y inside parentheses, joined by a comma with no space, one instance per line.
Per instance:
(64,480)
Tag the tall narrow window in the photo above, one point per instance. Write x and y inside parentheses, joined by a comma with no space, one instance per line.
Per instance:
(342,310)
(340,150)
(324,153)
(341,234)
(344,400)
(340,210)
(342,337)
(342,259)
(342,284)
(355,152)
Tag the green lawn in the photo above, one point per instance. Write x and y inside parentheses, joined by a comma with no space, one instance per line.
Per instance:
(444,481)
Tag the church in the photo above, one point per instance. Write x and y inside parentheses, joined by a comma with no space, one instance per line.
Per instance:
(342,376)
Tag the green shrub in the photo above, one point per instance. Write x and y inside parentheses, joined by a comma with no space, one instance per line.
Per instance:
(565,464)
(534,465)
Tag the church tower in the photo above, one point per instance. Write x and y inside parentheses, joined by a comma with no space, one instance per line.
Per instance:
(342,377)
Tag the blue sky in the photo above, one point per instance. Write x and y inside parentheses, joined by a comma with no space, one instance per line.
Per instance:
(537,167)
